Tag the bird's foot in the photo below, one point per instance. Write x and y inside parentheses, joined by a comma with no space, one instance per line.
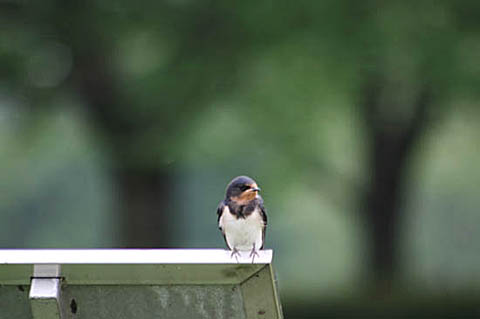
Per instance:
(235,253)
(254,253)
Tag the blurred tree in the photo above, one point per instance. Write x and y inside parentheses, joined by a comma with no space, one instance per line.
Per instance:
(140,119)
(407,61)
(390,150)
(145,124)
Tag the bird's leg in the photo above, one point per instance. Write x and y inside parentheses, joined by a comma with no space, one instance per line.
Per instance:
(254,253)
(235,253)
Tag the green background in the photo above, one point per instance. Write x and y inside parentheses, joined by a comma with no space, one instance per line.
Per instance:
(111,108)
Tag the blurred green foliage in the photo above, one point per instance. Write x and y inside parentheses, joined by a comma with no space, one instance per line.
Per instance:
(209,90)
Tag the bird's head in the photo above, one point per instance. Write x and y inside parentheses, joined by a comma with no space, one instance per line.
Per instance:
(242,189)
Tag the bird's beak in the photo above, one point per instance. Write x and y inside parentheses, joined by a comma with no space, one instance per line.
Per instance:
(256,189)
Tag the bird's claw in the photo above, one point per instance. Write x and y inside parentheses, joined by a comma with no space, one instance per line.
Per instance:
(254,253)
(235,253)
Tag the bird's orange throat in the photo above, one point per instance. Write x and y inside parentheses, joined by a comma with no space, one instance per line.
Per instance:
(245,197)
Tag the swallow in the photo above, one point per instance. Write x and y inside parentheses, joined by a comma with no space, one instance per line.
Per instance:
(242,218)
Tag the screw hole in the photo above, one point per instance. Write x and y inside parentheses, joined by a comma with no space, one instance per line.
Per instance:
(73,306)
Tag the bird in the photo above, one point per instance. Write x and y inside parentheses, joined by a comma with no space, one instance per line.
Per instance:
(242,218)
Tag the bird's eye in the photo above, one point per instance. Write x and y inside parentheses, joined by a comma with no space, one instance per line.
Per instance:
(244,188)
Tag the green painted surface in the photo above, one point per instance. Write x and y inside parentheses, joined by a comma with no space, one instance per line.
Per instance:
(148,302)
(14,303)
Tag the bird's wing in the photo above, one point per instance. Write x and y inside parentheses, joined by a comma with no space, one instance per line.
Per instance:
(220,210)
(263,214)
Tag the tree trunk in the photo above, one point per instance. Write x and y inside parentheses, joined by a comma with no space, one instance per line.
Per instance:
(390,151)
(144,197)
(142,205)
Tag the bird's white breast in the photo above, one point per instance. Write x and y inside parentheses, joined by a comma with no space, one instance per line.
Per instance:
(242,233)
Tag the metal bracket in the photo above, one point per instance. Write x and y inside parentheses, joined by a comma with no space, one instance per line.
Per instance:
(134,283)
(260,297)
(45,292)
